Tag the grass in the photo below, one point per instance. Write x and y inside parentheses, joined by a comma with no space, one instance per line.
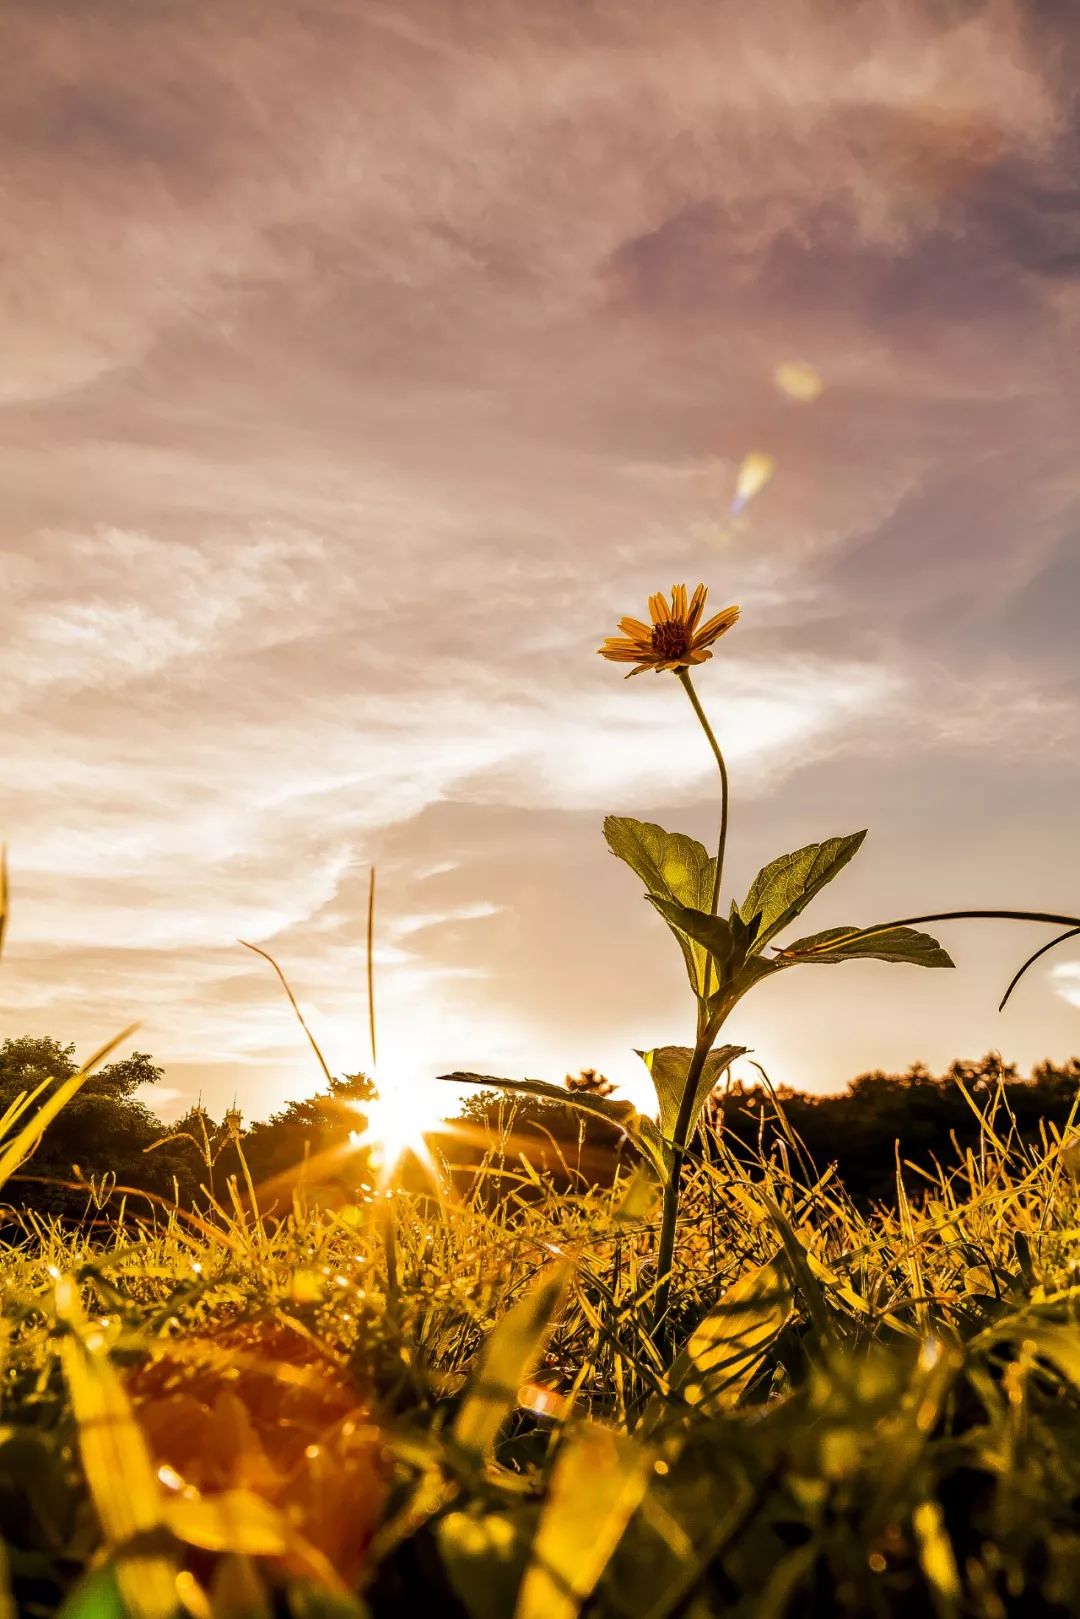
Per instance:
(226,1415)
(715,1387)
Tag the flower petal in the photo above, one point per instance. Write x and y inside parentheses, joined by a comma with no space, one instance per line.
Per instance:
(659,610)
(697,602)
(716,626)
(634,626)
(619,654)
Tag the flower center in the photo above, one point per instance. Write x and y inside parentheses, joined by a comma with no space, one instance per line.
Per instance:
(669,639)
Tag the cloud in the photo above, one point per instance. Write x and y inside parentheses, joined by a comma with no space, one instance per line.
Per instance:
(360,370)
(1066,978)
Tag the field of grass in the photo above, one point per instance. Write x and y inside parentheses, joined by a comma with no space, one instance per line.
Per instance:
(228,1416)
(716,1387)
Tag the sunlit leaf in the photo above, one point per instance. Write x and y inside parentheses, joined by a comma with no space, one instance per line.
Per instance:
(897,944)
(673,867)
(712,932)
(1070,1157)
(228,1521)
(241,1521)
(670,864)
(723,1351)
(937,1558)
(596,1485)
(669,1067)
(1059,1344)
(637,1128)
(507,1356)
(638,1196)
(786,885)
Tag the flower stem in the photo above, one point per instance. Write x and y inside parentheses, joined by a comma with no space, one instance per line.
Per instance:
(665,1253)
(688,687)
(706,1034)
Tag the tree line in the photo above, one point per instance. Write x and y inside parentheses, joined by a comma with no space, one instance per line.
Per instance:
(107,1144)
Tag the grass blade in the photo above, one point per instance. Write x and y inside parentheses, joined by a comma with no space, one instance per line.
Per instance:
(596,1486)
(510,1350)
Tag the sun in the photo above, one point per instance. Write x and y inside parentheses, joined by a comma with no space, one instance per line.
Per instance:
(399,1118)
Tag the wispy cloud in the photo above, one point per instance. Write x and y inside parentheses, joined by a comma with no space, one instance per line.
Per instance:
(1066,978)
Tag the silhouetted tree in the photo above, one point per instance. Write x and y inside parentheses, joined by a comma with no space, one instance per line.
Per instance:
(101,1132)
(928,1116)
(311,1138)
(589,1081)
(106,1130)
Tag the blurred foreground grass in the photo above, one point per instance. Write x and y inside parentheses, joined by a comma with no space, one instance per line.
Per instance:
(227,1416)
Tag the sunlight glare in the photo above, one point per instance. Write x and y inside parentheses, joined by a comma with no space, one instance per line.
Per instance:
(399,1117)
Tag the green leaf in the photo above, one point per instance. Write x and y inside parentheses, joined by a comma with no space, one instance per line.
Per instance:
(1056,1342)
(937,1558)
(238,1591)
(31,1470)
(752,970)
(484,1554)
(786,886)
(508,1352)
(648,1138)
(724,1350)
(97,1596)
(596,1485)
(638,1128)
(743,933)
(638,1195)
(668,1068)
(673,867)
(712,932)
(895,944)
(670,864)
(309,1601)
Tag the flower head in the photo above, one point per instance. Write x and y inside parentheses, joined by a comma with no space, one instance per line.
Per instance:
(673,639)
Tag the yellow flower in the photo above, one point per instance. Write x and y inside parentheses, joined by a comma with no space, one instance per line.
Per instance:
(672,640)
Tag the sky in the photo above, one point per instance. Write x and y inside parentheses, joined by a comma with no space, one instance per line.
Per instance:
(363,363)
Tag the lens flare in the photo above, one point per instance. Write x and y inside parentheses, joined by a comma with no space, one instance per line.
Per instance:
(800,382)
(756,470)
